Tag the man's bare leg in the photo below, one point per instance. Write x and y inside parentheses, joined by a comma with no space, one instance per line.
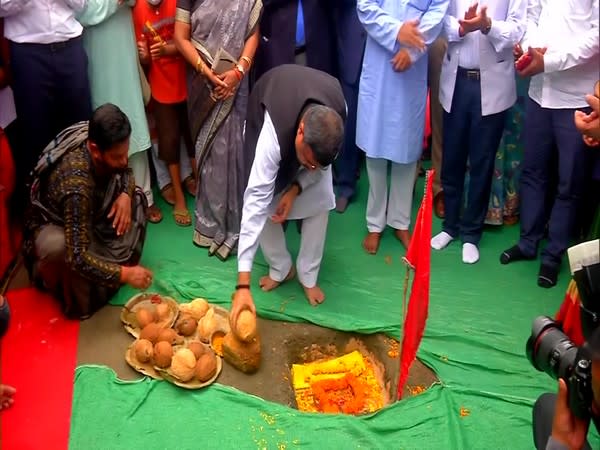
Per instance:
(267,283)
(6,396)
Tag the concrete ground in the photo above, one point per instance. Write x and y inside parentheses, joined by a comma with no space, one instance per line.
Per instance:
(103,340)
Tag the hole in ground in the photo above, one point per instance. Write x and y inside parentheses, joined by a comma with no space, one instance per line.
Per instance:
(102,340)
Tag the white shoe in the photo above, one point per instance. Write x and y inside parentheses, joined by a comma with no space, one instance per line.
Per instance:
(440,241)
(470,253)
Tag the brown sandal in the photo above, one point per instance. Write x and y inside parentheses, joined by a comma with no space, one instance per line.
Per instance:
(190,185)
(153,214)
(168,193)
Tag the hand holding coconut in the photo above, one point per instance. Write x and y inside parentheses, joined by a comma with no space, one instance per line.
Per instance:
(241,300)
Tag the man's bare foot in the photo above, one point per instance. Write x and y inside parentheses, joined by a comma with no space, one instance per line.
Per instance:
(267,283)
(314,295)
(6,396)
(403,236)
(371,242)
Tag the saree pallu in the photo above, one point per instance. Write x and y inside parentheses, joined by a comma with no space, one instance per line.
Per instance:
(217,126)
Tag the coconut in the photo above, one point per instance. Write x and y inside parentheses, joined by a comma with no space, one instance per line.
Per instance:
(162,311)
(163,353)
(183,364)
(186,325)
(206,367)
(143,350)
(197,348)
(144,316)
(198,308)
(150,332)
(246,326)
(207,325)
(169,335)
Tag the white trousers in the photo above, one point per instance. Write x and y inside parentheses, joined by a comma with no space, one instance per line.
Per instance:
(162,171)
(312,243)
(138,162)
(393,209)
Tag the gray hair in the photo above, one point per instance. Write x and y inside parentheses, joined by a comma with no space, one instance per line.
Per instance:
(323,133)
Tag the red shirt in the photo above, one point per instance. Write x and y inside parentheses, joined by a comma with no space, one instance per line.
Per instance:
(166,75)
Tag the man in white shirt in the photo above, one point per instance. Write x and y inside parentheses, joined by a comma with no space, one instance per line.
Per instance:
(477,87)
(49,68)
(294,131)
(562,58)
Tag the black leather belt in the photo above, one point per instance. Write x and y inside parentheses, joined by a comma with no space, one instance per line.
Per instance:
(469,74)
(54,47)
(299,50)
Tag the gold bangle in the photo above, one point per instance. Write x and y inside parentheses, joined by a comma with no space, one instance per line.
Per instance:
(247,59)
(200,66)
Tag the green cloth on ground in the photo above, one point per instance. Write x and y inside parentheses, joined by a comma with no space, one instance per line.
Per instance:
(479,319)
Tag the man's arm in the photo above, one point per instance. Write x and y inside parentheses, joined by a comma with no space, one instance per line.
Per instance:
(94,12)
(534,9)
(128,183)
(576,51)
(504,34)
(10,7)
(77,225)
(378,24)
(78,5)
(258,197)
(430,26)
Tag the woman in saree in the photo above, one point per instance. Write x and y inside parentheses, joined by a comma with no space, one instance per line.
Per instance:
(225,31)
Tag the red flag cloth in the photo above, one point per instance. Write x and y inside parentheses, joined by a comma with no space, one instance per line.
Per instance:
(418,257)
(569,315)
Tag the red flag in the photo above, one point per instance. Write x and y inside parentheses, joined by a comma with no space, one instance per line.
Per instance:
(417,258)
(569,315)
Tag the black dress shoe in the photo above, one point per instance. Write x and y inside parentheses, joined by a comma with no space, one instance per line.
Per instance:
(514,254)
(547,276)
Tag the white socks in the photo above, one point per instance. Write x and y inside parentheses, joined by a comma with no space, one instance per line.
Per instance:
(440,241)
(470,253)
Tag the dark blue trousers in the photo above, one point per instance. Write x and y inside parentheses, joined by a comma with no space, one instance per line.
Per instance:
(350,38)
(554,150)
(346,166)
(51,90)
(468,136)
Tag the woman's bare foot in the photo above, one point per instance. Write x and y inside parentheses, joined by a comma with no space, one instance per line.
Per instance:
(371,243)
(6,396)
(403,236)
(314,295)
(267,283)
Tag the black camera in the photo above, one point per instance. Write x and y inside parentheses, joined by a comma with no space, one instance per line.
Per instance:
(550,350)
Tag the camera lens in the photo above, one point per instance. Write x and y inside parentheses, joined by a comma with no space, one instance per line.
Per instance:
(550,350)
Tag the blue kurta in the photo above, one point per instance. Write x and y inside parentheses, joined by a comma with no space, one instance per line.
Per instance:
(109,41)
(391,105)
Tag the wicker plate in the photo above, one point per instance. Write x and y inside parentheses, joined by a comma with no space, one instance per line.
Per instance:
(147,300)
(143,368)
(192,384)
(222,317)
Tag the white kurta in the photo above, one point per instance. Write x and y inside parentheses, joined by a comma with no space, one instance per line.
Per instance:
(259,200)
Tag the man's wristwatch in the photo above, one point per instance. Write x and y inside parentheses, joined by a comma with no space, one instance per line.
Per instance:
(488,27)
(240,69)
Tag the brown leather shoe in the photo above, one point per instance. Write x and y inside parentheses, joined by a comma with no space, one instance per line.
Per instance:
(438,204)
